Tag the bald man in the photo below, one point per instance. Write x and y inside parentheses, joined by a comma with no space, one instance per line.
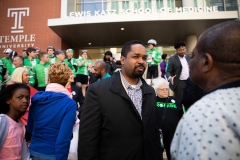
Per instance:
(100,69)
(210,129)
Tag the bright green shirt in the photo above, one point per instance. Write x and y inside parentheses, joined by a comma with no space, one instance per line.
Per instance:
(7,63)
(155,57)
(83,69)
(1,66)
(51,59)
(41,73)
(32,80)
(30,63)
(73,62)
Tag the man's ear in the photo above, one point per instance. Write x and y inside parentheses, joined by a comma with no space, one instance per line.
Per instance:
(122,59)
(207,63)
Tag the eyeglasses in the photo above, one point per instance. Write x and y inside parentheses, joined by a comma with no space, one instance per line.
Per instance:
(83,51)
(164,89)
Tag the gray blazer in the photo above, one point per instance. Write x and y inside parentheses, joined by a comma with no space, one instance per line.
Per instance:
(175,68)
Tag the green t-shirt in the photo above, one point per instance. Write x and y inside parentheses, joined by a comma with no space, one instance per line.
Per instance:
(32,80)
(65,62)
(1,66)
(83,69)
(7,63)
(51,59)
(30,63)
(73,63)
(41,73)
(153,57)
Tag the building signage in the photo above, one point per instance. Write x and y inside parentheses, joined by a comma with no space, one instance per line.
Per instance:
(144,11)
(17,39)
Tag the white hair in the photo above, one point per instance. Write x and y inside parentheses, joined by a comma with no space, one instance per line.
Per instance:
(17,74)
(158,82)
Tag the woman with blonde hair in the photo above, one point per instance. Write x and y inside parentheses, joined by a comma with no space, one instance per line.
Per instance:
(20,75)
(169,112)
(52,116)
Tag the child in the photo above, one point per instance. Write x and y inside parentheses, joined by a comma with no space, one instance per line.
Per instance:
(14,100)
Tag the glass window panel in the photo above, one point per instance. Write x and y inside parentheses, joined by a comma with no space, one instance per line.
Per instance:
(125,5)
(147,4)
(137,4)
(159,4)
(231,5)
(114,6)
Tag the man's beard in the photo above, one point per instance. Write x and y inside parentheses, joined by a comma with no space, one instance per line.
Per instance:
(137,74)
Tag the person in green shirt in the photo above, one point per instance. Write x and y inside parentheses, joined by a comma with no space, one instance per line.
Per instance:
(60,56)
(30,61)
(17,62)
(71,60)
(82,72)
(1,71)
(7,62)
(153,60)
(51,56)
(41,71)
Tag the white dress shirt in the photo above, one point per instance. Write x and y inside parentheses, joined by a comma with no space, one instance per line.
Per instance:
(185,68)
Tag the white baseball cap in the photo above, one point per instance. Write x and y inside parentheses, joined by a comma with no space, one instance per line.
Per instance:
(7,51)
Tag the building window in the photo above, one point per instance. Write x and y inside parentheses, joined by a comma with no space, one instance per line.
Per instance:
(114,6)
(223,5)
(231,5)
(137,4)
(125,5)
(159,4)
(147,4)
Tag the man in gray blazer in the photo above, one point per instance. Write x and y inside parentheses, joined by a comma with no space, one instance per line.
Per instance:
(178,70)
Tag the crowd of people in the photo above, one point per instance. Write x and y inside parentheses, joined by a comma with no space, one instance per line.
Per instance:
(52,103)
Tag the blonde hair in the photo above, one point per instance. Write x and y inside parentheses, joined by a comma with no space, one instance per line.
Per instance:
(158,82)
(17,74)
(59,73)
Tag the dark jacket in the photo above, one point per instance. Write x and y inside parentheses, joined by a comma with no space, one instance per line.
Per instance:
(172,111)
(111,67)
(191,94)
(77,94)
(175,68)
(111,128)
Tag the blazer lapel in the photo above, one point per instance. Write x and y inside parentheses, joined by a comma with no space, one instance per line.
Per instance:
(118,88)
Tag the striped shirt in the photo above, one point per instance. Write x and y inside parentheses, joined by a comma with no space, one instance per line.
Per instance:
(134,92)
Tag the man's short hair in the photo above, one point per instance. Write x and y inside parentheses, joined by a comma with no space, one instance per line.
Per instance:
(30,49)
(41,54)
(127,47)
(179,44)
(20,58)
(222,43)
(51,47)
(102,65)
(164,56)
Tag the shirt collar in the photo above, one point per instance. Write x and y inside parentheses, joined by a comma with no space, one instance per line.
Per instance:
(129,86)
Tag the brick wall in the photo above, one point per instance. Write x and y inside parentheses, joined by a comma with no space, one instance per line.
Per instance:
(35,25)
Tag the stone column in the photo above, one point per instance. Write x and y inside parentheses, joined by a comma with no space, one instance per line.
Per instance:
(188,3)
(191,42)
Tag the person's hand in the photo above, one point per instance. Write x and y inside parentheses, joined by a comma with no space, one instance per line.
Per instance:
(111,58)
(172,79)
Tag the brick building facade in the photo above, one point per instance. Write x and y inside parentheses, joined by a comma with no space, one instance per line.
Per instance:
(24,24)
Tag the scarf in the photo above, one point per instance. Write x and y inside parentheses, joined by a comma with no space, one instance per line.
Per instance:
(55,87)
